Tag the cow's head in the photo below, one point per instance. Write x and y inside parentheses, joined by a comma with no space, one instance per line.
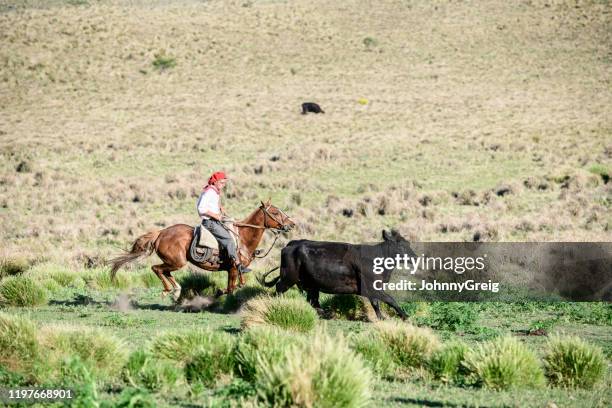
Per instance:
(397,244)
(393,236)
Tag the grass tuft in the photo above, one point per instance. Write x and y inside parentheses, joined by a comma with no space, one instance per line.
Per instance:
(375,353)
(19,344)
(143,370)
(163,62)
(102,353)
(286,313)
(572,362)
(182,346)
(13,266)
(261,346)
(349,307)
(446,364)
(21,291)
(502,364)
(324,372)
(409,345)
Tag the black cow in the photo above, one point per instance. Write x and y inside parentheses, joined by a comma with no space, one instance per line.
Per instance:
(338,268)
(311,107)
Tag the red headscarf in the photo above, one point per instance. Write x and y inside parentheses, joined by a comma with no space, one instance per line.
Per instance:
(216,176)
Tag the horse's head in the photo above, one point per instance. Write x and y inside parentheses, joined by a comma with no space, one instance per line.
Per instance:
(275,218)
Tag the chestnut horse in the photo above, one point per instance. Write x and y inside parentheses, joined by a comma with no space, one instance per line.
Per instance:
(172,246)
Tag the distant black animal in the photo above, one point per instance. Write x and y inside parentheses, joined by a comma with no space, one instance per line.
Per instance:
(311,107)
(338,268)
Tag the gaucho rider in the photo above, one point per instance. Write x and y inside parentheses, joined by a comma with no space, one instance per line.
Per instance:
(212,212)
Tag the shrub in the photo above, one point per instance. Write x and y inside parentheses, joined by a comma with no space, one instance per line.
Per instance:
(262,345)
(446,364)
(21,291)
(182,346)
(409,345)
(503,363)
(100,352)
(291,314)
(571,362)
(19,344)
(13,266)
(375,353)
(453,316)
(350,307)
(323,372)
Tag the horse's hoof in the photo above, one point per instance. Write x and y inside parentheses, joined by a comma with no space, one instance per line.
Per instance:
(219,293)
(165,293)
(176,294)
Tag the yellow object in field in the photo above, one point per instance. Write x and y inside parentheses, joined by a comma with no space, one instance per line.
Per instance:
(363,101)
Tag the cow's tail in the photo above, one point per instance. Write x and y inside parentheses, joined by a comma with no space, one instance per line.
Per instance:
(262,279)
(143,246)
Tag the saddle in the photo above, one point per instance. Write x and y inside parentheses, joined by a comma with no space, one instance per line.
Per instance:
(204,246)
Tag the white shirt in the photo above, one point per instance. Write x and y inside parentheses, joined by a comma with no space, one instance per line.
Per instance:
(208,201)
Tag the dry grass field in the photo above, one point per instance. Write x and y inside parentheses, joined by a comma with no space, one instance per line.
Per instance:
(448,120)
(432,108)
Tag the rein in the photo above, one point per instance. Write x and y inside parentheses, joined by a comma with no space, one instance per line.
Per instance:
(275,231)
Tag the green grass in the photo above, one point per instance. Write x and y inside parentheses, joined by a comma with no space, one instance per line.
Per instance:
(182,334)
(409,346)
(99,351)
(21,350)
(287,313)
(21,291)
(504,363)
(572,362)
(262,346)
(322,372)
(163,62)
(375,353)
(181,345)
(447,363)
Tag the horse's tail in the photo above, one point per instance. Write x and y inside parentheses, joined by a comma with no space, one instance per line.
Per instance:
(142,247)
(262,279)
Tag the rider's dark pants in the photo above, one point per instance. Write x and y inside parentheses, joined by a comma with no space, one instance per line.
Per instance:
(222,235)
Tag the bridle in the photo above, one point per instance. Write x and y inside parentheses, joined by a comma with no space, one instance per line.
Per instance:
(265,209)
(275,230)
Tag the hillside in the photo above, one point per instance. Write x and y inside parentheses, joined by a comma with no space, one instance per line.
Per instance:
(443,119)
